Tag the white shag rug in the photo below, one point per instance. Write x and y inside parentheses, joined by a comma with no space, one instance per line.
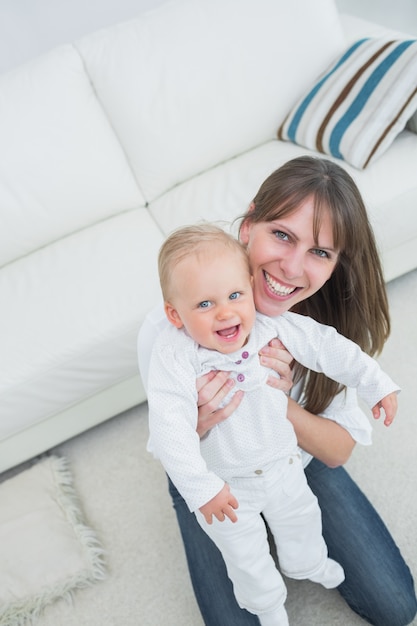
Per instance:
(46,549)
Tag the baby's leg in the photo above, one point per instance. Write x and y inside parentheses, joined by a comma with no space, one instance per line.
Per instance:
(278,617)
(294,518)
(257,584)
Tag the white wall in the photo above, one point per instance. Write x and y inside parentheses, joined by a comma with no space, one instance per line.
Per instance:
(30,27)
(397,14)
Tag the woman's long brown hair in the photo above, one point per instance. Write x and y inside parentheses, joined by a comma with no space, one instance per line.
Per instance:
(354,299)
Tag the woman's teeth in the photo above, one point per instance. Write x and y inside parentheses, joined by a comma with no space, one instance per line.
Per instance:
(277,288)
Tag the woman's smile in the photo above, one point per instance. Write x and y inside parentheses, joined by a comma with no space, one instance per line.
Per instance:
(276,287)
(288,262)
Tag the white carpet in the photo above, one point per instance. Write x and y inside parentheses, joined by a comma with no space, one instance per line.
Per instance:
(125,500)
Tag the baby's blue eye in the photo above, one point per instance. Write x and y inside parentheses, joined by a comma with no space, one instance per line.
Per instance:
(234,296)
(205,304)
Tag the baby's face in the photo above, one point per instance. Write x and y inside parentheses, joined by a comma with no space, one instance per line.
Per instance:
(212,299)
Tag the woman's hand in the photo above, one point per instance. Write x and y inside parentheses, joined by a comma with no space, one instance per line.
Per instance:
(212,388)
(276,357)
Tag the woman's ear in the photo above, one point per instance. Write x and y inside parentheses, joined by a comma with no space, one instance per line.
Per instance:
(245,226)
(244,232)
(173,315)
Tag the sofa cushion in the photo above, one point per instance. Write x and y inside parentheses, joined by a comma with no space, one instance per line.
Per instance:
(61,166)
(360,104)
(195,82)
(76,307)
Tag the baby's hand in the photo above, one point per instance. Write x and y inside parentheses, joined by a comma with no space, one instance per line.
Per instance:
(221,506)
(389,404)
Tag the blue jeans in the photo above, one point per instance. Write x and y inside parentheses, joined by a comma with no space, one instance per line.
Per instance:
(378,585)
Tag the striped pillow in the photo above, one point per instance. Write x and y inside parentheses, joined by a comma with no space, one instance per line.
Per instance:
(360,104)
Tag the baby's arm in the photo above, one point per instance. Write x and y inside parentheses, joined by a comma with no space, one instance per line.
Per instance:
(322,349)
(172,399)
(389,404)
(221,506)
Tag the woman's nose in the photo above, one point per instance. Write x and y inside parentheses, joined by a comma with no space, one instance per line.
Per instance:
(293,265)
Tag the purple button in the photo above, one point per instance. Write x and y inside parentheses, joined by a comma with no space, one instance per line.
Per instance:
(241,377)
(245,355)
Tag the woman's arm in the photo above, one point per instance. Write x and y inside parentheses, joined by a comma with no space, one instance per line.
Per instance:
(319,436)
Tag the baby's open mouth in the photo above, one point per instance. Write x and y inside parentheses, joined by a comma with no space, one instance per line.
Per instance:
(228,333)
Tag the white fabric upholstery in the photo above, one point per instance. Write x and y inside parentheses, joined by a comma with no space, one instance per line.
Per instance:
(194,83)
(110,143)
(61,166)
(76,322)
(225,192)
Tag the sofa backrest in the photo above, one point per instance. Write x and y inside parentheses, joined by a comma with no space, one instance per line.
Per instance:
(114,121)
(61,165)
(195,82)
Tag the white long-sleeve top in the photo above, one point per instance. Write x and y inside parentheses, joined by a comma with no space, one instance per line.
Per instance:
(258,432)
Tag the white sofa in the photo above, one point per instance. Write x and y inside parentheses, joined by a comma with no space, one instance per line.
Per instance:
(108,144)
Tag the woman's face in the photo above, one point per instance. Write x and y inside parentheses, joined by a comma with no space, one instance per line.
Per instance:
(287,264)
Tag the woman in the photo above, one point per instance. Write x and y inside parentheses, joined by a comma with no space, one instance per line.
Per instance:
(333,274)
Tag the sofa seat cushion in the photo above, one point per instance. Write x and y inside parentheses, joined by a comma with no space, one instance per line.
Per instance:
(224,192)
(76,306)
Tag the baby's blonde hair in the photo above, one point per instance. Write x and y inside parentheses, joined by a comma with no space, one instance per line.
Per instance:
(195,239)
